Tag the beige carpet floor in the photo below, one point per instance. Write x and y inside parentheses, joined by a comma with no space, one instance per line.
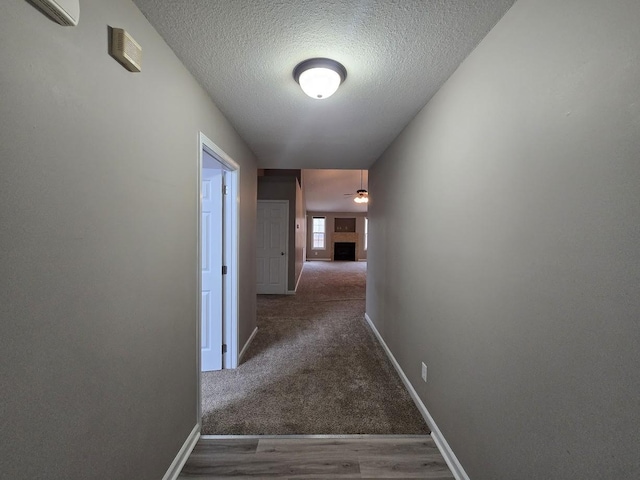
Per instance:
(314,367)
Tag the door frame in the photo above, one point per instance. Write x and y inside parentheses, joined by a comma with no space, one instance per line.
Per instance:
(230,281)
(286,255)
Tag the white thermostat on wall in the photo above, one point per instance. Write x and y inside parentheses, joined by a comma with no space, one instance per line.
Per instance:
(65,12)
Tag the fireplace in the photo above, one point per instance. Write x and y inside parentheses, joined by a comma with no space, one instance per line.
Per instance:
(344,251)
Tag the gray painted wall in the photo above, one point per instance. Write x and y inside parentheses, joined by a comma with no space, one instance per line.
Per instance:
(505,246)
(361,253)
(98,203)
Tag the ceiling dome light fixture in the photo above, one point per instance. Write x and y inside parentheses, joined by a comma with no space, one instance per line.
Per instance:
(319,77)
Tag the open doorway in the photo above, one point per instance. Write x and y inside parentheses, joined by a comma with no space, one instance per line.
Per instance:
(218,210)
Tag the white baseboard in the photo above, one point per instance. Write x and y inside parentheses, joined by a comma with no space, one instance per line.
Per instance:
(362,259)
(299,277)
(246,345)
(292,292)
(318,259)
(183,454)
(452,461)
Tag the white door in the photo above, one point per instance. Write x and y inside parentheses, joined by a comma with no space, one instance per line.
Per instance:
(212,253)
(273,219)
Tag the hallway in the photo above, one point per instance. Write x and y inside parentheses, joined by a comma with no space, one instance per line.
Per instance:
(501,141)
(315,396)
(314,367)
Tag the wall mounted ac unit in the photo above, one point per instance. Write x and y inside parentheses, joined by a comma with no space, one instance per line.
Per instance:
(65,12)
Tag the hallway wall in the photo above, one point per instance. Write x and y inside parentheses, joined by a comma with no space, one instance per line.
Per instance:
(98,211)
(505,246)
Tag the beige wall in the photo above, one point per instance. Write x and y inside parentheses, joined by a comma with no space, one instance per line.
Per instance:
(361,253)
(98,212)
(505,246)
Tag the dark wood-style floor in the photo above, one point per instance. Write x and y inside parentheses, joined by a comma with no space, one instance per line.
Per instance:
(389,456)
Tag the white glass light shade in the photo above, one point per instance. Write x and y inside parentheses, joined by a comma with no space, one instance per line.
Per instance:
(361,199)
(319,82)
(319,77)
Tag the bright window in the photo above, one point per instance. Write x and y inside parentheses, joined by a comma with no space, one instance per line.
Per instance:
(318,233)
(366,231)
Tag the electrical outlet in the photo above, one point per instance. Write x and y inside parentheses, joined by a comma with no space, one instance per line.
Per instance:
(424,372)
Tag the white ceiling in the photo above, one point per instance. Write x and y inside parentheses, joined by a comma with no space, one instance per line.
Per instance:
(397,54)
(324,190)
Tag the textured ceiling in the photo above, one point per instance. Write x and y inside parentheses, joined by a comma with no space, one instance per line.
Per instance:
(397,54)
(324,190)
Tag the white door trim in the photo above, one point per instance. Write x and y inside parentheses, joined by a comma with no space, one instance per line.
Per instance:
(231,259)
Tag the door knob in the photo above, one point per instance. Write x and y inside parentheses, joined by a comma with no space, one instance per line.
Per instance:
(281,253)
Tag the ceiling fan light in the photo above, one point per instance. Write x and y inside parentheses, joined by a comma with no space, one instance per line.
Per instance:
(319,77)
(362,197)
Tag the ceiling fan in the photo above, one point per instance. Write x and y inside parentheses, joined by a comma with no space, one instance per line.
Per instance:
(361,195)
